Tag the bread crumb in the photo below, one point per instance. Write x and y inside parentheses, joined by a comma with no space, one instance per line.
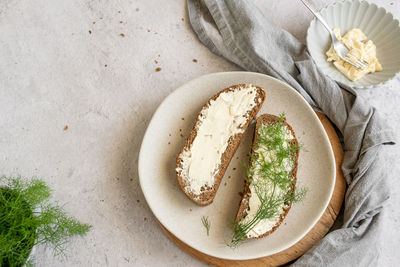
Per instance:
(120,21)
(101,200)
(122,35)
(155,61)
(138,201)
(182,19)
(158,69)
(194,60)
(131,179)
(169,134)
(148,30)
(180,130)
(234,169)
(94,22)
(90,32)
(119,11)
(66,127)
(183,119)
(229,177)
(169,143)
(105,65)
(155,32)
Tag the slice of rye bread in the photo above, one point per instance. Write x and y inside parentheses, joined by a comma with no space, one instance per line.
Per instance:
(207,194)
(244,204)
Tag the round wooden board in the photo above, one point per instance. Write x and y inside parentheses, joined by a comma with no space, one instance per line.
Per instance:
(316,233)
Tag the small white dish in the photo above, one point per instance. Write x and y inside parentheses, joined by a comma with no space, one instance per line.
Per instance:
(166,134)
(377,24)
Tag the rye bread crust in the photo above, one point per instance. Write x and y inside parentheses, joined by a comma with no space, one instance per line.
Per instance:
(207,195)
(244,204)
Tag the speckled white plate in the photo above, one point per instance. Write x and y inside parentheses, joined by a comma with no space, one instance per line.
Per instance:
(377,24)
(166,134)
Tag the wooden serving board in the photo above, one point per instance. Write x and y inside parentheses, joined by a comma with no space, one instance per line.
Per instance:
(316,233)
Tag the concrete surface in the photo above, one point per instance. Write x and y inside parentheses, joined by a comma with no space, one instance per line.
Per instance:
(78,86)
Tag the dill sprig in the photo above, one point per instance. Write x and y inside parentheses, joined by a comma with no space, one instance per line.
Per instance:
(206,223)
(28,219)
(272,163)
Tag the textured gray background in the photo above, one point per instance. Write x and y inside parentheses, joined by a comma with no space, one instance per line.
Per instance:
(54,72)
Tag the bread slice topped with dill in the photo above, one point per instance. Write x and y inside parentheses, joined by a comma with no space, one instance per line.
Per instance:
(271,179)
(215,136)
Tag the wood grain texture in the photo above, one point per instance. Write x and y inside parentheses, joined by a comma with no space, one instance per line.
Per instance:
(316,233)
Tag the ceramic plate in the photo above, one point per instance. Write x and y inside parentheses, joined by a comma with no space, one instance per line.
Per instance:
(165,137)
(377,24)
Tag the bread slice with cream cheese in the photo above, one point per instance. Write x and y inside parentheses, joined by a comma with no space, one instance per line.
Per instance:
(215,136)
(270,185)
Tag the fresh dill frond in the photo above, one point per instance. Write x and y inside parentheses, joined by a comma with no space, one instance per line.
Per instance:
(300,195)
(272,162)
(206,223)
(27,218)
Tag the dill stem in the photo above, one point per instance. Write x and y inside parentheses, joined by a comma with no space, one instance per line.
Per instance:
(258,217)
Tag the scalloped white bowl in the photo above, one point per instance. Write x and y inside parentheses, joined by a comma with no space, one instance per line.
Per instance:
(377,24)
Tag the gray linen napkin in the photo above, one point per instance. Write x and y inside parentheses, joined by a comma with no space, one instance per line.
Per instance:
(239,32)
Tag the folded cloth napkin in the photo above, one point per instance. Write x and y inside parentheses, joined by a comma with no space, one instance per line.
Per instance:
(239,32)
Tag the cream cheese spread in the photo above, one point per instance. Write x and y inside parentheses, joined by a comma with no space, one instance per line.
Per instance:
(224,117)
(258,181)
(355,41)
